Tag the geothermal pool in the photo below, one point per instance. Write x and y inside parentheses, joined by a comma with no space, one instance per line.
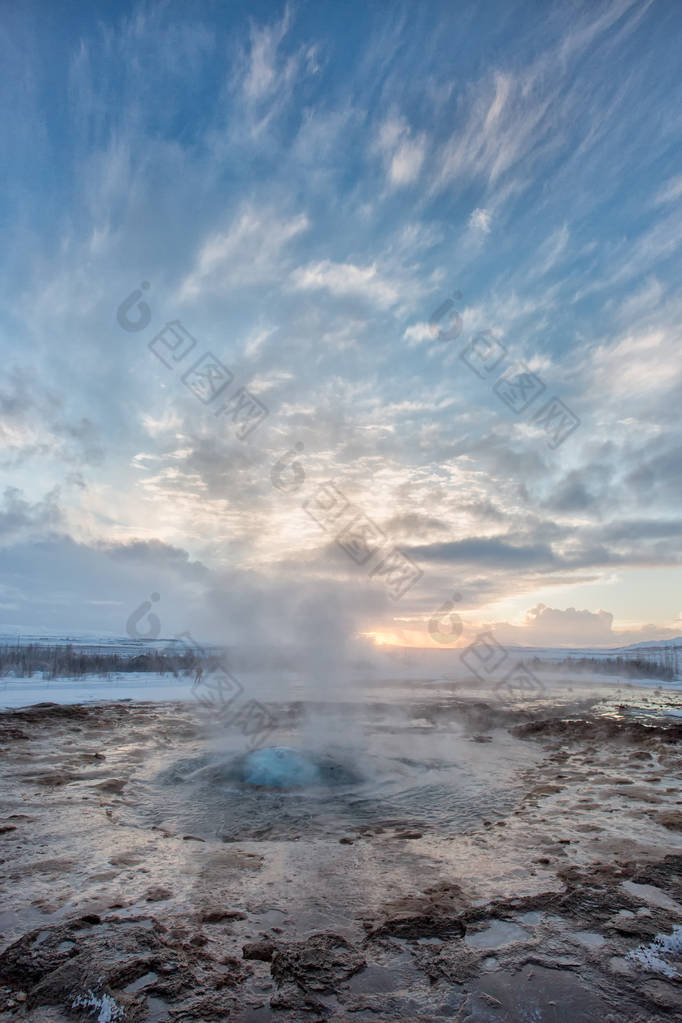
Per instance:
(392,771)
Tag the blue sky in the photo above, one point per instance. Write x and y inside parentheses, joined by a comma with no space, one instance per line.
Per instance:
(302,186)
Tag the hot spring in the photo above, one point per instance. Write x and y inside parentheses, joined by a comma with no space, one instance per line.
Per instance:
(390,771)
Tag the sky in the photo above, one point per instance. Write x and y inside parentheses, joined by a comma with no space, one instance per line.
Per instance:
(324,319)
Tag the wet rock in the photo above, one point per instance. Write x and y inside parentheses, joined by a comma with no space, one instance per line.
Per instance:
(127,859)
(158,894)
(53,779)
(234,973)
(217,916)
(82,964)
(57,964)
(546,790)
(433,914)
(291,997)
(672,820)
(423,925)
(627,923)
(113,785)
(663,995)
(621,966)
(262,950)
(319,963)
(454,964)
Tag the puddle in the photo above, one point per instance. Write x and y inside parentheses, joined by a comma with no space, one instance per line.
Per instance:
(500,932)
(588,939)
(137,985)
(533,995)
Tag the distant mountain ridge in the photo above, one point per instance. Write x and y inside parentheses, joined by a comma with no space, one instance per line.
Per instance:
(657,643)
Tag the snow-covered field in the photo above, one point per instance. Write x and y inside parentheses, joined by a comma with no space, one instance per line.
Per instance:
(432,669)
(130,686)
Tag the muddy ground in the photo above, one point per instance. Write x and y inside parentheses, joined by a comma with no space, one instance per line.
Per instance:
(564,905)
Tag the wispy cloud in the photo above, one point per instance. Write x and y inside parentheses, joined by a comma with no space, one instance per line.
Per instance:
(246,253)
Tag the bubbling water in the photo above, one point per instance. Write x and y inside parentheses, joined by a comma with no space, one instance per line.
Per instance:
(394,768)
(279,767)
(273,767)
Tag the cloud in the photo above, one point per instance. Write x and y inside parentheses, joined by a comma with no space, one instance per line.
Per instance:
(263,76)
(21,518)
(247,253)
(403,152)
(670,191)
(480,221)
(346,280)
(486,551)
(266,75)
(553,627)
(35,423)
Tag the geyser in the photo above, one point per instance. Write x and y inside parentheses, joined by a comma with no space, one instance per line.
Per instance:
(279,767)
(274,767)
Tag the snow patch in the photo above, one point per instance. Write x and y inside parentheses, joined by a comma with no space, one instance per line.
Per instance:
(651,956)
(109,1011)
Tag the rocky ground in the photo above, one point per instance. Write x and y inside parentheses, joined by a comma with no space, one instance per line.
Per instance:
(566,908)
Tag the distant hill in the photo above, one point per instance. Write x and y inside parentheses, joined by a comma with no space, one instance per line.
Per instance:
(655,643)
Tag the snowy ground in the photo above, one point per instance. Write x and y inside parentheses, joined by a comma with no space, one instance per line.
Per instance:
(25,692)
(287,685)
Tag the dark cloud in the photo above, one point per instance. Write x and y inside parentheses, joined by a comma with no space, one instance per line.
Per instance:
(657,474)
(18,516)
(412,523)
(486,550)
(154,555)
(584,489)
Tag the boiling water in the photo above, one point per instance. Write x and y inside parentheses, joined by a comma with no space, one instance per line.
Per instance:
(391,772)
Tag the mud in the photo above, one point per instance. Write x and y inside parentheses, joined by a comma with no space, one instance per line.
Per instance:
(552,895)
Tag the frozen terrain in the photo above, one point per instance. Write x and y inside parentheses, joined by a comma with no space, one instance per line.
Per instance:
(396,849)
